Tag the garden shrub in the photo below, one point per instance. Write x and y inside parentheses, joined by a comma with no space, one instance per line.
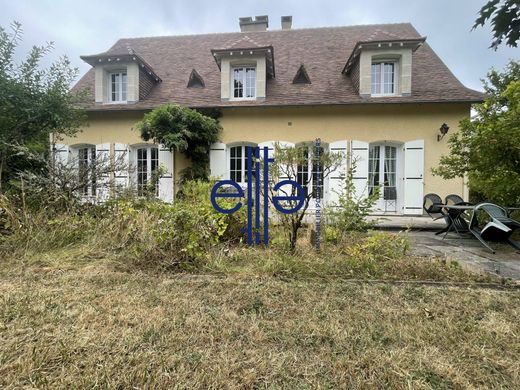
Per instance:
(150,233)
(351,211)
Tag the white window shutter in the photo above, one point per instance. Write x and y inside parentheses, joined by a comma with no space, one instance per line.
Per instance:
(103,178)
(413,176)
(166,179)
(217,161)
(132,167)
(336,178)
(61,154)
(121,161)
(359,157)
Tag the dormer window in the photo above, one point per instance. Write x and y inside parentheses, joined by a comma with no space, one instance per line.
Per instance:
(244,83)
(117,87)
(384,78)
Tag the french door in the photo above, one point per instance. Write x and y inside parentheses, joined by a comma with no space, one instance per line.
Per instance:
(383,176)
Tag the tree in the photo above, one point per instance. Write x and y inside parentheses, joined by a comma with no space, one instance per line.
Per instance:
(185,130)
(505,21)
(34,102)
(287,164)
(487,148)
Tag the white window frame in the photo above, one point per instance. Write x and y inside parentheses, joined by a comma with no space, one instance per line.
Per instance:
(243,162)
(148,171)
(381,64)
(309,170)
(246,82)
(121,86)
(89,189)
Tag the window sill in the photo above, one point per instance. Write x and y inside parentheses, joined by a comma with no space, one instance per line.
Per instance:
(384,95)
(242,99)
(121,102)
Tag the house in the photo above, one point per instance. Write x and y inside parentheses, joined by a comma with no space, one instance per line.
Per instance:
(377,93)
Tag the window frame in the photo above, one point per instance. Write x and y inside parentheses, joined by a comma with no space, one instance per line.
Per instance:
(87,164)
(151,165)
(243,162)
(304,172)
(381,63)
(121,86)
(245,82)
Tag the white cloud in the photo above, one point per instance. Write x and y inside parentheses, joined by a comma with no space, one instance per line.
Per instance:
(88,27)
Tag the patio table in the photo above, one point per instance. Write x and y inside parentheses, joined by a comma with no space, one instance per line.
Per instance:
(456,220)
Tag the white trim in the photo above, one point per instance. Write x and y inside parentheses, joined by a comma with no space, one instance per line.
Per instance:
(243,159)
(381,73)
(119,91)
(245,83)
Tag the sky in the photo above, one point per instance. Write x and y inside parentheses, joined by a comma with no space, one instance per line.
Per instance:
(89,27)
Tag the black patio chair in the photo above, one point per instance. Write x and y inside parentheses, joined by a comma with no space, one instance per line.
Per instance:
(454,199)
(432,205)
(498,228)
(459,223)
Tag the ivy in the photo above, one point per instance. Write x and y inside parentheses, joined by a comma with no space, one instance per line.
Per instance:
(183,130)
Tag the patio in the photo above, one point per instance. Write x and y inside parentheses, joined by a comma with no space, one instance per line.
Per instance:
(468,251)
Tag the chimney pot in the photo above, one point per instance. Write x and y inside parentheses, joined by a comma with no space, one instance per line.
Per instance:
(247,24)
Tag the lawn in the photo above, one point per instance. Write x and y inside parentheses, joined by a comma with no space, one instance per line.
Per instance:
(94,325)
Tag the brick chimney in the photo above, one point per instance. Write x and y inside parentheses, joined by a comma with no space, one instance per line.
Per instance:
(247,24)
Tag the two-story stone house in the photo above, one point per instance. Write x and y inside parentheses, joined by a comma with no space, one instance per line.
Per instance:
(377,93)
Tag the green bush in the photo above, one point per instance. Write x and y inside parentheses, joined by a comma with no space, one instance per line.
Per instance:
(147,232)
(351,211)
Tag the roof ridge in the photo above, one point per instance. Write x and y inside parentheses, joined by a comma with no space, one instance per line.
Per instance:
(269,31)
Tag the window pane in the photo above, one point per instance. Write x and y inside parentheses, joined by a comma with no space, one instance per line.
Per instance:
(123,87)
(376,79)
(142,170)
(235,164)
(373,168)
(388,78)
(250,82)
(113,88)
(302,170)
(238,82)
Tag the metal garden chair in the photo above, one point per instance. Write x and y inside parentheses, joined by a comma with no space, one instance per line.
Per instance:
(432,205)
(497,226)
(459,223)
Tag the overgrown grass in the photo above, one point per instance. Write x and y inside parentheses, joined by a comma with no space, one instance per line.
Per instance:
(98,328)
(136,295)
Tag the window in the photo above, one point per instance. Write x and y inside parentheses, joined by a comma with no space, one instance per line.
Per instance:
(307,172)
(117,87)
(244,83)
(147,164)
(383,78)
(86,171)
(238,163)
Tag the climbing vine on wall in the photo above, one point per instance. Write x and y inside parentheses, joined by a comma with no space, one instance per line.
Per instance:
(184,130)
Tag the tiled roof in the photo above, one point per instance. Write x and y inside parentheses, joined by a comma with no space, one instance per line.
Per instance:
(323,52)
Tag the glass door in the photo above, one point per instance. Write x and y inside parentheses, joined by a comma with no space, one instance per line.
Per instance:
(382,176)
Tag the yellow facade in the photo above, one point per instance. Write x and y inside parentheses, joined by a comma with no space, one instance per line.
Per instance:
(368,123)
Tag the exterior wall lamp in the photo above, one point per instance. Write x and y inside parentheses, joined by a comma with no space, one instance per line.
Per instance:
(443,131)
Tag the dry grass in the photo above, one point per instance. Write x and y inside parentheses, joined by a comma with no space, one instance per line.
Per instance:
(94,327)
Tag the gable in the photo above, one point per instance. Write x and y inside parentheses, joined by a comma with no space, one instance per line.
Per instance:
(195,80)
(301,76)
